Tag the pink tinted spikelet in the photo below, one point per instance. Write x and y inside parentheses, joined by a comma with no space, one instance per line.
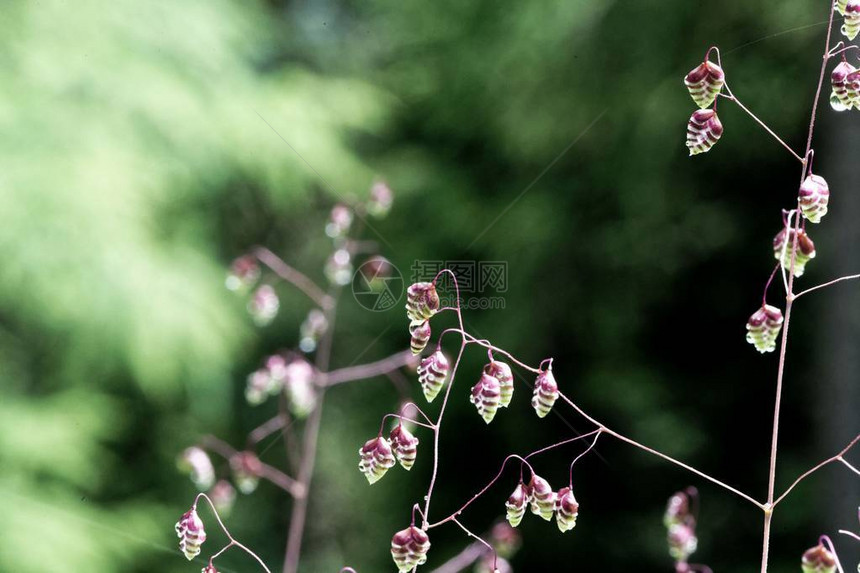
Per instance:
(704,82)
(818,559)
(813,197)
(782,247)
(486,396)
(376,459)
(851,23)
(405,446)
(542,498)
(420,335)
(409,548)
(263,306)
(422,301)
(842,99)
(515,507)
(431,374)
(545,393)
(703,131)
(763,327)
(566,509)
(191,534)
(502,372)
(852,88)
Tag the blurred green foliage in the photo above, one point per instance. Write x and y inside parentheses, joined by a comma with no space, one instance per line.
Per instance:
(146,144)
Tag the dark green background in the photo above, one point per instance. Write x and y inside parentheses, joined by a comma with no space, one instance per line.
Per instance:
(138,156)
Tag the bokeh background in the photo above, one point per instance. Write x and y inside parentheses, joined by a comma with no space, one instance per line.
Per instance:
(147,144)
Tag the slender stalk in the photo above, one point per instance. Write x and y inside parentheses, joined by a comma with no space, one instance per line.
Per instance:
(827,284)
(294,277)
(732,97)
(659,454)
(309,447)
(364,371)
(233,542)
(438,424)
(837,458)
(463,560)
(768,510)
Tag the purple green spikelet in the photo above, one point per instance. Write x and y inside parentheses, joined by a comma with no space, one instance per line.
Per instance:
(223,496)
(841,98)
(420,334)
(542,498)
(703,131)
(209,569)
(515,507)
(196,463)
(422,301)
(566,509)
(244,273)
(264,304)
(545,393)
(704,82)
(502,372)
(432,373)
(191,533)
(782,247)
(852,87)
(677,509)
(851,23)
(763,328)
(682,540)
(840,6)
(405,446)
(246,467)
(376,459)
(380,201)
(818,559)
(339,221)
(486,396)
(338,268)
(813,197)
(299,387)
(409,548)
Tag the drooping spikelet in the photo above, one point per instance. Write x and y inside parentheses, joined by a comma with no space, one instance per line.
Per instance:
(195,462)
(191,534)
(431,374)
(703,131)
(818,559)
(542,497)
(851,23)
(515,507)
(840,6)
(763,327)
(405,446)
(420,335)
(566,509)
(704,83)
(376,459)
(486,396)
(264,304)
(813,197)
(409,548)
(682,540)
(852,88)
(841,99)
(545,393)
(422,301)
(782,247)
(502,372)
